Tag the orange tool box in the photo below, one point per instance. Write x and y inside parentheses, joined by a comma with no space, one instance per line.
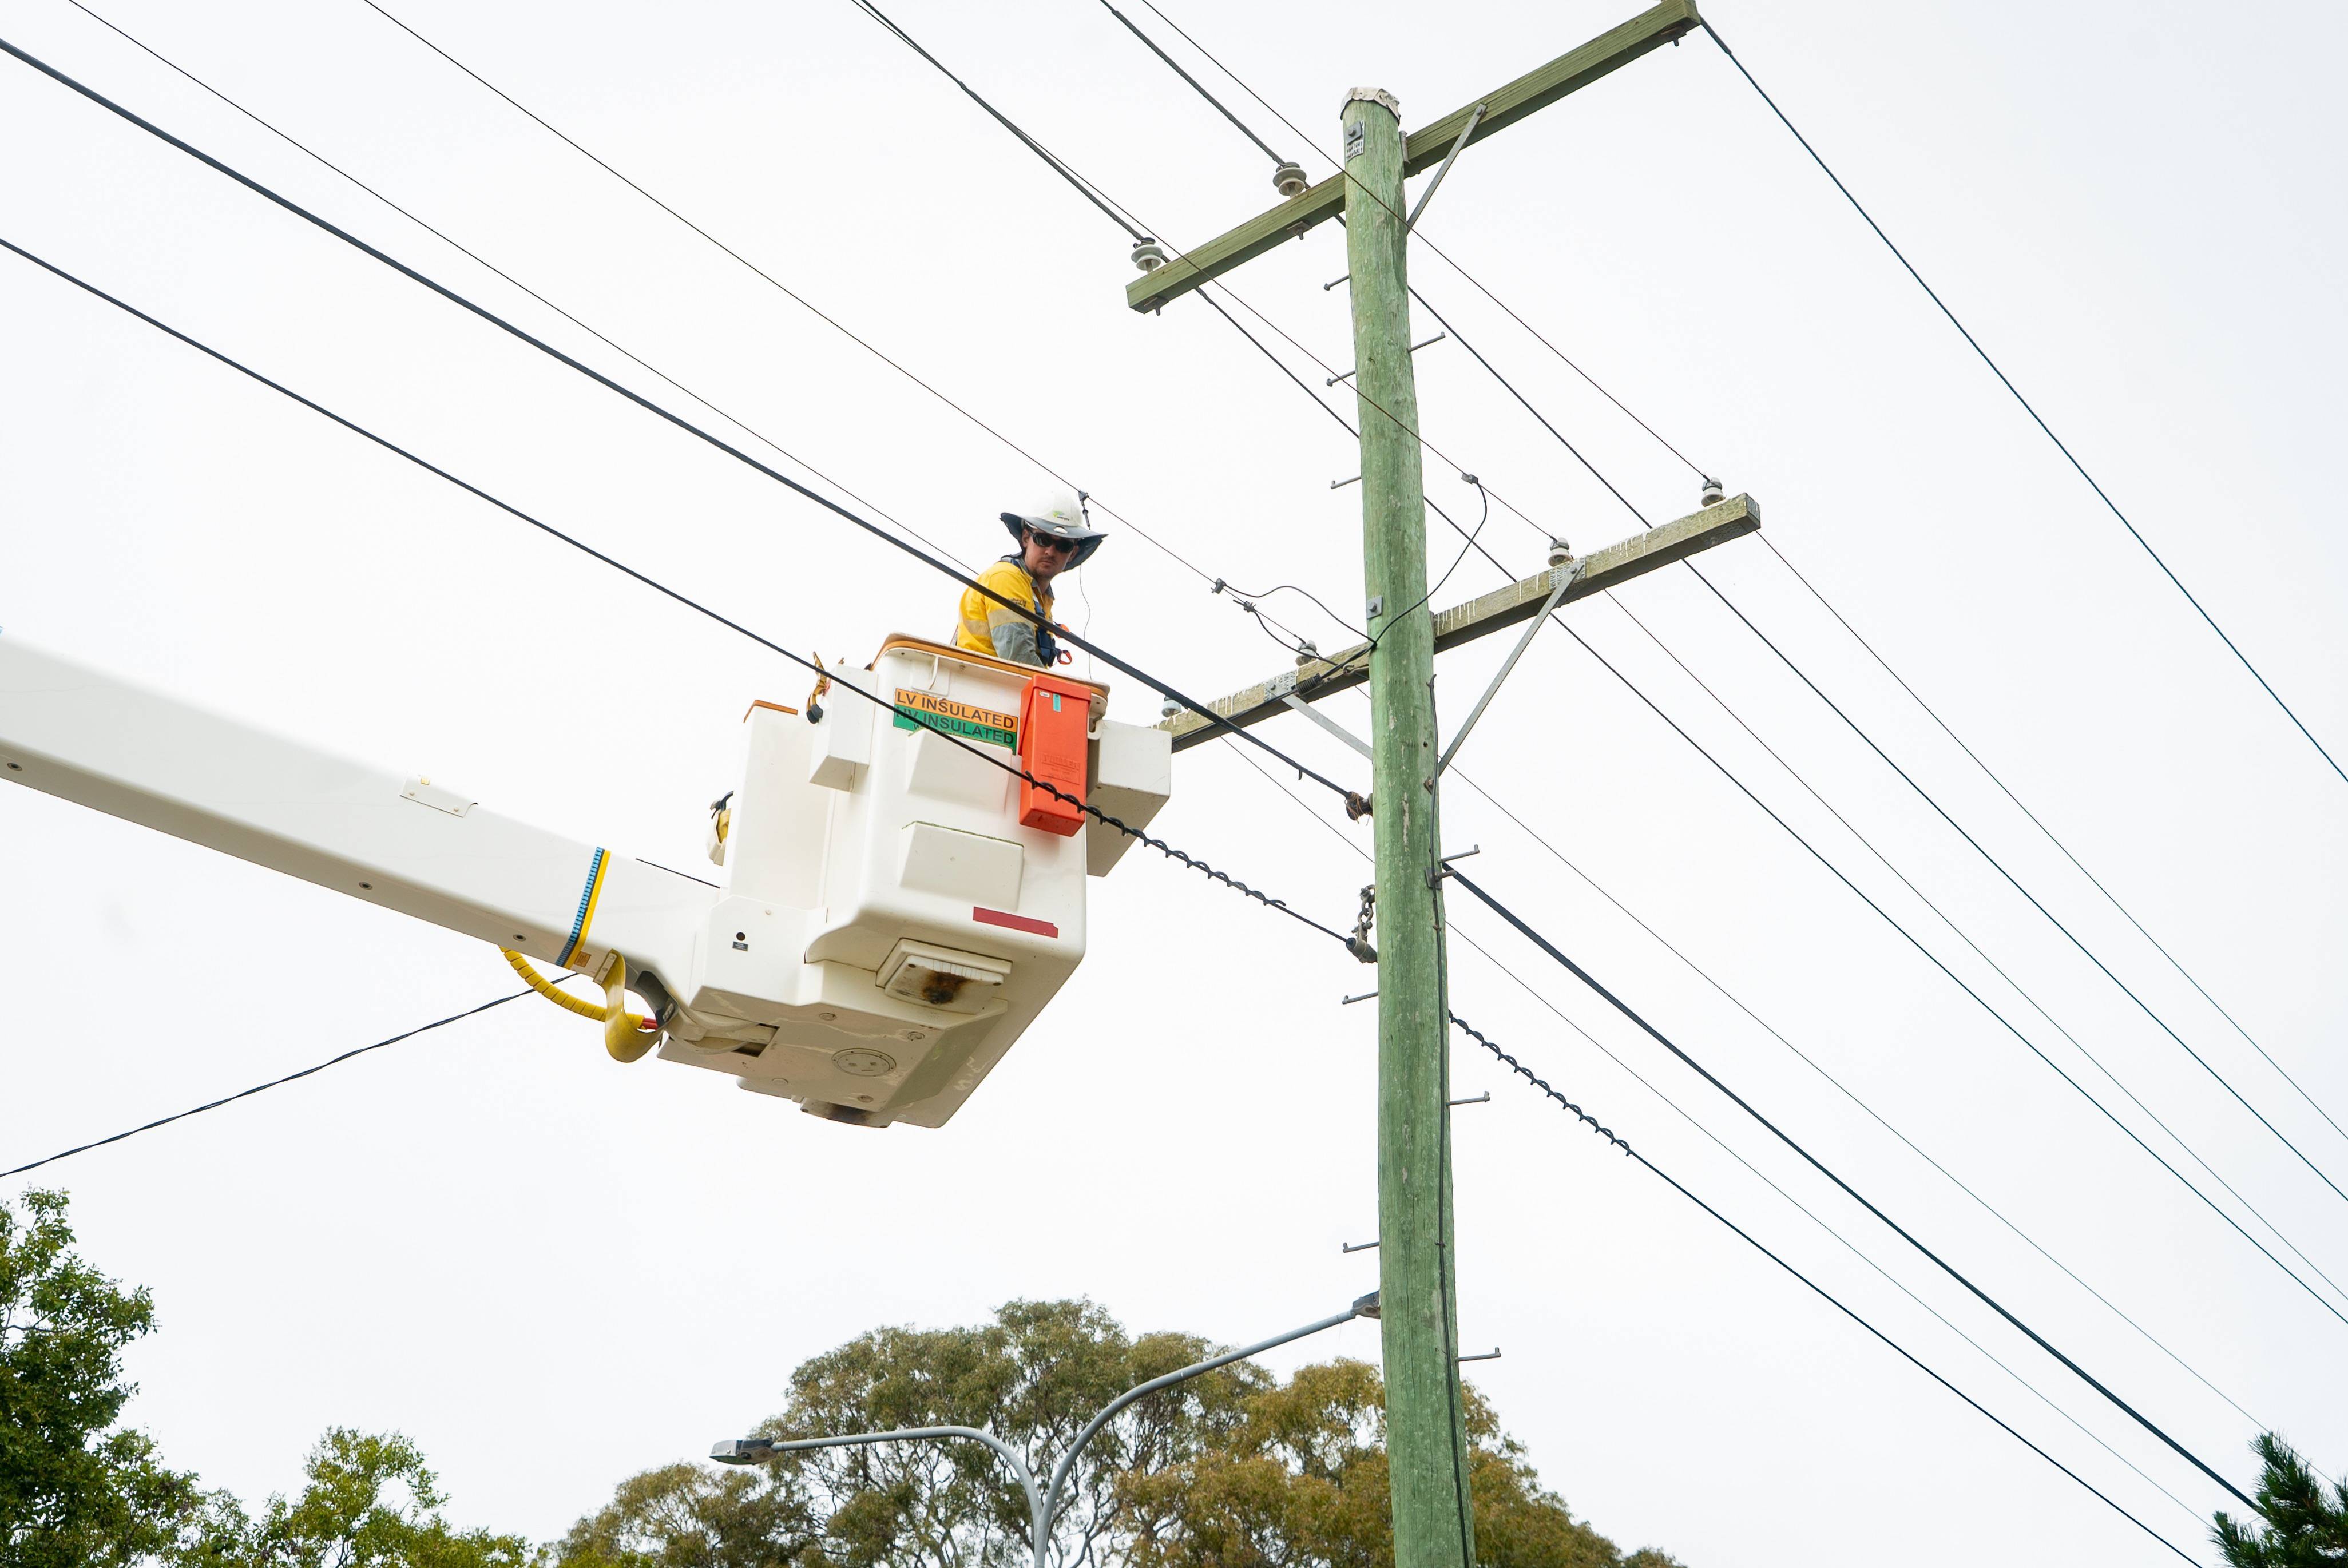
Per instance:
(1054,715)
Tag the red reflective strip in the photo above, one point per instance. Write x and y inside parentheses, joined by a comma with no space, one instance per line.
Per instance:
(1014,921)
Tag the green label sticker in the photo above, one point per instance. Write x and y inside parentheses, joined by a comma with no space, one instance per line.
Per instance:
(926,710)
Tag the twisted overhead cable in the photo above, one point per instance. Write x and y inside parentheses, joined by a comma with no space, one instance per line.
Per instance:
(1747,1237)
(678,421)
(1578,973)
(1162,847)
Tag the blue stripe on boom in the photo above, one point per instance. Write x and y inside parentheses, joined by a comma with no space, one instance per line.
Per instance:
(586,902)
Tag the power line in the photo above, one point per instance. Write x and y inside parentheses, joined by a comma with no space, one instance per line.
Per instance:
(1927,798)
(1440,253)
(1250,92)
(1661,440)
(1830,608)
(1911,939)
(1262,618)
(1771,1030)
(1085,188)
(1578,973)
(1921,793)
(1610,488)
(641,401)
(1536,413)
(784,289)
(1187,76)
(1618,494)
(1995,968)
(778,651)
(1975,343)
(1936,299)
(1635,1015)
(1975,996)
(1954,978)
(1747,1237)
(1276,326)
(259,1088)
(1042,152)
(1762,1176)
(1739,1004)
(550,531)
(1990,774)
(1343,422)
(465,251)
(1999,866)
(1927,954)
(1246,599)
(801,301)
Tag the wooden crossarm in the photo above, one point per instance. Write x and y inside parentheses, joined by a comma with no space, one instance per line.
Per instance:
(1480,617)
(1424,148)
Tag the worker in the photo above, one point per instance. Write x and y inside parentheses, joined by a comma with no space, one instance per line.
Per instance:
(1057,537)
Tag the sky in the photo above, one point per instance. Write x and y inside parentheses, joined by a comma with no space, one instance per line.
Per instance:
(553,1270)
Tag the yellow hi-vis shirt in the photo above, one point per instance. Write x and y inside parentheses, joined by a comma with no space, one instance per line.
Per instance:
(987,627)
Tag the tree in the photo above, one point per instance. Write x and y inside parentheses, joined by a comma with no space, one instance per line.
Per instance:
(1233,1469)
(1302,1483)
(370,1501)
(2303,1528)
(73,1490)
(1033,1377)
(76,1492)
(691,1516)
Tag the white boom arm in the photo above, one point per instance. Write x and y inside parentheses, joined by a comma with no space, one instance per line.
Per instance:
(884,953)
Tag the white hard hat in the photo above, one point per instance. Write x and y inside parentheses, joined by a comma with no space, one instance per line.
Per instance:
(1061,515)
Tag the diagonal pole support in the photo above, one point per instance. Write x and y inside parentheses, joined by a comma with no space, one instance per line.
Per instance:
(1562,579)
(1435,184)
(1325,722)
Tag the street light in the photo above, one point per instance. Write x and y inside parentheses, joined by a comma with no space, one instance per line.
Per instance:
(1042,1507)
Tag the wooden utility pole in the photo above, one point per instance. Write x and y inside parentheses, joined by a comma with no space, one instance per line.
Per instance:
(1426,1437)
(1426,1445)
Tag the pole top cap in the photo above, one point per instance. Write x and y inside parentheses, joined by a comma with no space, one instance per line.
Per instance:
(1373,95)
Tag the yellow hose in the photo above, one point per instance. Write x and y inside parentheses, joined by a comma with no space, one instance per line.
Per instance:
(544,987)
(626,1036)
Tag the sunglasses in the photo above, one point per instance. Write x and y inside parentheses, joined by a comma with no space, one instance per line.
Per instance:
(1062,546)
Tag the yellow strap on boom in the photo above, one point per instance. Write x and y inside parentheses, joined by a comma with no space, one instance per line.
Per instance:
(626,1036)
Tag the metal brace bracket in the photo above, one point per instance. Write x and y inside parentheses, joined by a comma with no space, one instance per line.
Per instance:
(1561,579)
(1428,194)
(1322,720)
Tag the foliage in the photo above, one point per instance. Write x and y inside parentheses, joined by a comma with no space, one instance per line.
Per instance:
(73,1491)
(1233,1469)
(370,1501)
(690,1516)
(2303,1528)
(1032,1377)
(1302,1483)
(78,1492)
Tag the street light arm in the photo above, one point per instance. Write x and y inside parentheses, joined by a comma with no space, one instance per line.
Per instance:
(1108,1411)
(1041,1511)
(728,1452)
